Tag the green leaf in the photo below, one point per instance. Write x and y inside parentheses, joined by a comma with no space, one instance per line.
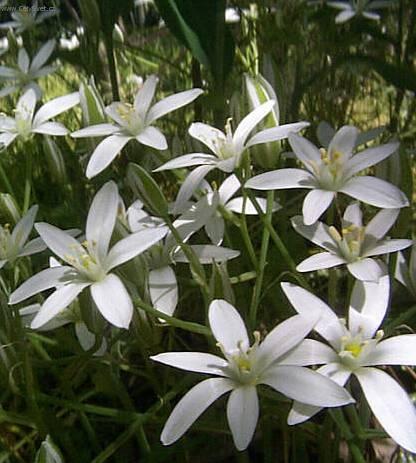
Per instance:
(200,26)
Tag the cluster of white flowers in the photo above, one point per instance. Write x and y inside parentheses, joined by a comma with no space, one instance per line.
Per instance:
(281,359)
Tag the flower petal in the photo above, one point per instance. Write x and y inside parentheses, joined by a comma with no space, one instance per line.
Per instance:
(309,352)
(353,215)
(281,179)
(97,130)
(276,133)
(344,16)
(368,306)
(305,151)
(284,337)
(387,246)
(215,229)
(188,160)
(113,301)
(308,305)
(381,223)
(228,188)
(54,107)
(6,139)
(133,245)
(306,386)
(163,289)
(315,204)
(42,55)
(367,269)
(249,122)
(227,326)
(242,415)
(23,60)
(369,157)
(318,233)
(26,105)
(104,154)
(191,406)
(344,141)
(391,406)
(101,220)
(32,247)
(46,279)
(51,128)
(56,302)
(198,362)
(153,137)
(301,412)
(398,350)
(376,192)
(320,261)
(23,228)
(325,133)
(207,254)
(171,103)
(209,136)
(145,95)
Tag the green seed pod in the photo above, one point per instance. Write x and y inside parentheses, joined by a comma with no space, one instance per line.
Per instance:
(91,104)
(55,160)
(9,208)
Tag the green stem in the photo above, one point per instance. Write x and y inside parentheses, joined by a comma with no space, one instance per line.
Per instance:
(28,182)
(262,262)
(5,180)
(188,326)
(109,47)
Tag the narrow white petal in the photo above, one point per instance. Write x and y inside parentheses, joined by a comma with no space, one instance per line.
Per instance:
(23,228)
(367,269)
(209,136)
(207,254)
(242,415)
(391,406)
(215,229)
(276,133)
(309,352)
(198,362)
(282,179)
(249,122)
(368,306)
(6,139)
(32,247)
(145,95)
(104,154)
(45,279)
(171,103)
(102,219)
(228,188)
(153,137)
(315,204)
(190,185)
(386,247)
(59,242)
(344,141)
(353,215)
(133,245)
(188,160)
(381,223)
(344,16)
(23,60)
(401,272)
(113,301)
(305,151)
(369,15)
(54,107)
(306,386)
(227,326)
(7,123)
(42,55)
(369,157)
(87,339)
(191,406)
(398,350)
(8,73)
(301,412)
(56,302)
(376,192)
(318,233)
(26,105)
(308,305)
(325,132)
(98,130)
(163,289)
(51,128)
(247,207)
(320,261)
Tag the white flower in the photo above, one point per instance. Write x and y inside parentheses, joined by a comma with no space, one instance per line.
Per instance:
(355,245)
(356,350)
(89,264)
(358,7)
(26,18)
(406,274)
(26,122)
(325,133)
(331,171)
(162,282)
(133,122)
(24,76)
(207,210)
(227,147)
(243,368)
(15,244)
